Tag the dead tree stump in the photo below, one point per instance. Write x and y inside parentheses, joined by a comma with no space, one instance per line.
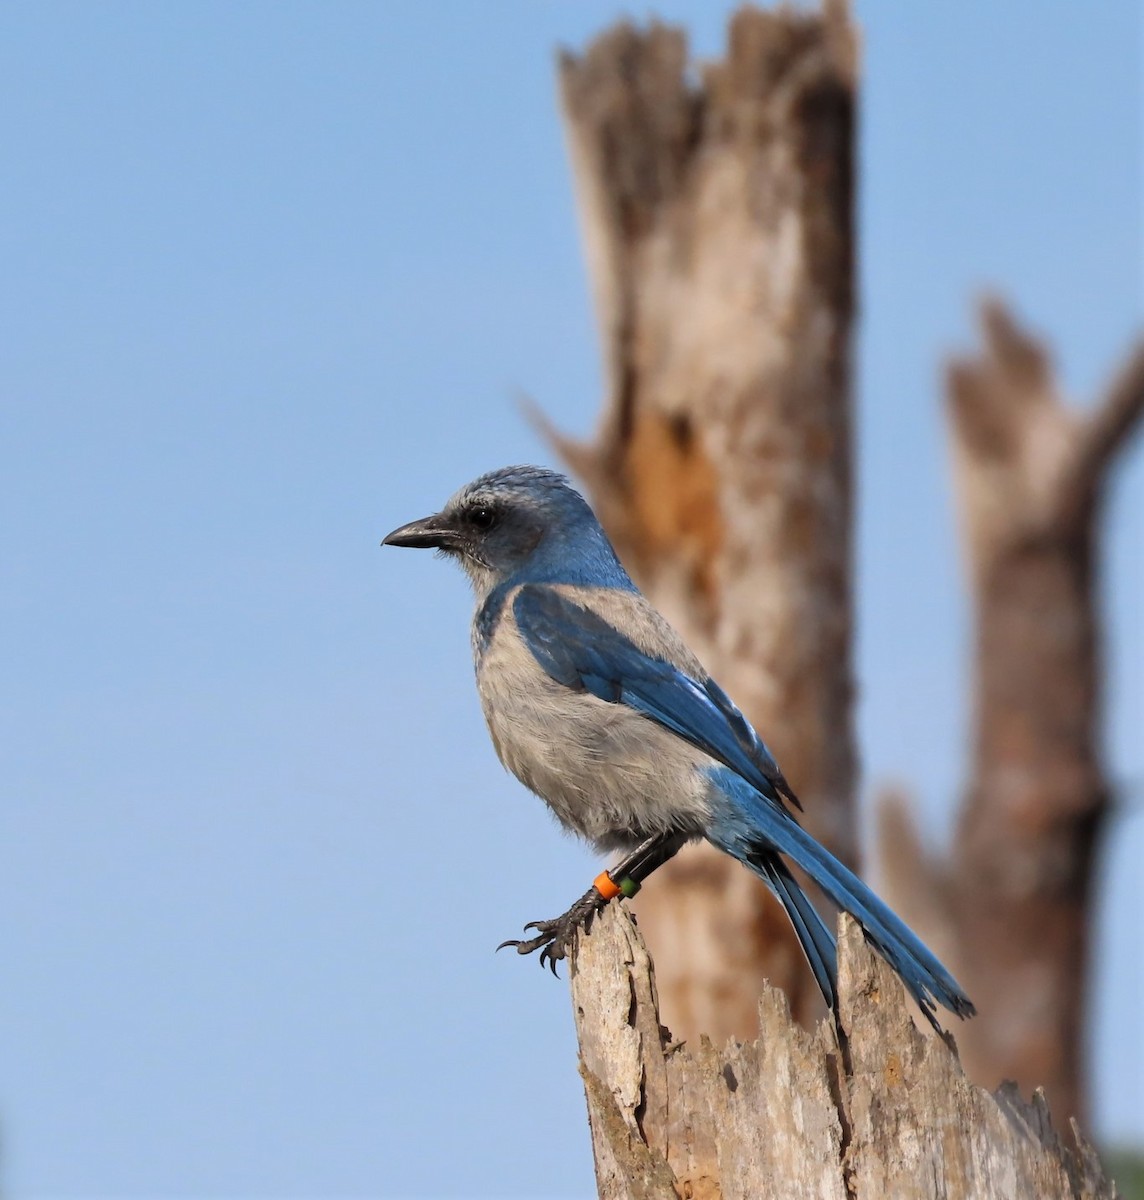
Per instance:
(792,1113)
(1011,911)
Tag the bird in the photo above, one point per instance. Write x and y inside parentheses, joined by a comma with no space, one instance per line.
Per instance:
(594,702)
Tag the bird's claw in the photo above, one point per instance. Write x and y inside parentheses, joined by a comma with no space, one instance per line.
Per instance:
(555,939)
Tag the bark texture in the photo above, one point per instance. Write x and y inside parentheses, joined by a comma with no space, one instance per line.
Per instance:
(717,212)
(1011,911)
(792,1114)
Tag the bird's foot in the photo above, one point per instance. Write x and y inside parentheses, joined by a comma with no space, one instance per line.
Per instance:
(555,938)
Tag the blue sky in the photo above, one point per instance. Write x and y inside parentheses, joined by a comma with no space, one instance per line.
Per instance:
(272,275)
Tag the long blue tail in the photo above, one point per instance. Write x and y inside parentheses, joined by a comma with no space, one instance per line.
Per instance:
(752,828)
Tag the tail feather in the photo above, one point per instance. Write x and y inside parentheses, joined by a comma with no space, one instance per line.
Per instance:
(751,828)
(815,938)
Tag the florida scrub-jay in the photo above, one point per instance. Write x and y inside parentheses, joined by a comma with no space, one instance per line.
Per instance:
(594,703)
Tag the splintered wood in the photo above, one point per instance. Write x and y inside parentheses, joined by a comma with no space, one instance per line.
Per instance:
(887,1115)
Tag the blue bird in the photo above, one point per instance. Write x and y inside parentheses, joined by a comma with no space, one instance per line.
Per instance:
(594,702)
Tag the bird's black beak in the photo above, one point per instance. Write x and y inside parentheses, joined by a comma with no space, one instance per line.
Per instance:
(435,532)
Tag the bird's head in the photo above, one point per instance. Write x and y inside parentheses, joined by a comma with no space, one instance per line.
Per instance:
(517,521)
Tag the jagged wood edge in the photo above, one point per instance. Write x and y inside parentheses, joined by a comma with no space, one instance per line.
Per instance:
(886,1112)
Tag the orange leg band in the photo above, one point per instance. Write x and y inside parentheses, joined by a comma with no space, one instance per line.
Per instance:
(604,885)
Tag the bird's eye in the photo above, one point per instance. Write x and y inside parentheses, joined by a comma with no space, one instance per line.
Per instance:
(482,516)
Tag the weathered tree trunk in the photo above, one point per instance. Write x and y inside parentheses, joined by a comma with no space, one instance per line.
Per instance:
(1011,911)
(793,1114)
(718,221)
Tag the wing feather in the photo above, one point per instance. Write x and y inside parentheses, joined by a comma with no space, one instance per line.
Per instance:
(581,650)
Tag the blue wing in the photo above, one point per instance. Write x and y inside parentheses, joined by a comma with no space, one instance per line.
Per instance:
(578,648)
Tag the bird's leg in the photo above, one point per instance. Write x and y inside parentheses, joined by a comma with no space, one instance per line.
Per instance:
(554,938)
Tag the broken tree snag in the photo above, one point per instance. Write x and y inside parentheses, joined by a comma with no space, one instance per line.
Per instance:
(1014,904)
(789,1115)
(717,211)
(671,1120)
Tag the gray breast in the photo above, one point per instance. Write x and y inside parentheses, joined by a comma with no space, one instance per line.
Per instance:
(608,773)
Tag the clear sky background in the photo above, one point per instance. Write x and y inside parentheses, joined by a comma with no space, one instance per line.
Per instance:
(271,275)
